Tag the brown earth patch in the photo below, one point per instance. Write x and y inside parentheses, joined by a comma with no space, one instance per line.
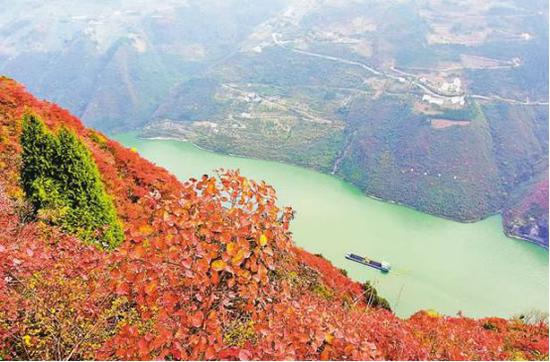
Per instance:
(439,123)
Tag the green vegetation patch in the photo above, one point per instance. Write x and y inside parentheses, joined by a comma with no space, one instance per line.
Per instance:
(373,299)
(239,332)
(63,184)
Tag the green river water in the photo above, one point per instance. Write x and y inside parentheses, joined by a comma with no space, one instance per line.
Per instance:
(437,264)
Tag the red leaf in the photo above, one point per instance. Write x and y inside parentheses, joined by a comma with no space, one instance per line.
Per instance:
(196,319)
(245,355)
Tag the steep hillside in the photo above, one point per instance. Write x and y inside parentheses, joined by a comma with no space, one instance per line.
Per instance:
(113,63)
(398,155)
(207,270)
(520,138)
(526,216)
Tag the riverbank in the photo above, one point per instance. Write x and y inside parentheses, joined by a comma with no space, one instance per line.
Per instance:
(372,196)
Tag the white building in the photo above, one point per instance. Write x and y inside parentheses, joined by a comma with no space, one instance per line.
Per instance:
(434,100)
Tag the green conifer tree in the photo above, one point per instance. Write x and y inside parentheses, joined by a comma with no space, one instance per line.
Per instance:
(62,182)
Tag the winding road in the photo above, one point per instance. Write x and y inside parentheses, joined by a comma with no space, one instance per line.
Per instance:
(402,75)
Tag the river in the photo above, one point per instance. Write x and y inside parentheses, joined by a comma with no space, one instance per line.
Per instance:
(437,263)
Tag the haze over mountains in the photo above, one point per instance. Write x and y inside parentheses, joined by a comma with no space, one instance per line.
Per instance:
(439,105)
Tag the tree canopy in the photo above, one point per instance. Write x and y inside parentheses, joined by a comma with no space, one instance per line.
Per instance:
(63,184)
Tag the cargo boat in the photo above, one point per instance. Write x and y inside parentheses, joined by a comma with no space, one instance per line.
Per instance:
(382,266)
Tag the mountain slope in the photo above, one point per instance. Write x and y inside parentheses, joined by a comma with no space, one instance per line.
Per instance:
(112,64)
(208,270)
